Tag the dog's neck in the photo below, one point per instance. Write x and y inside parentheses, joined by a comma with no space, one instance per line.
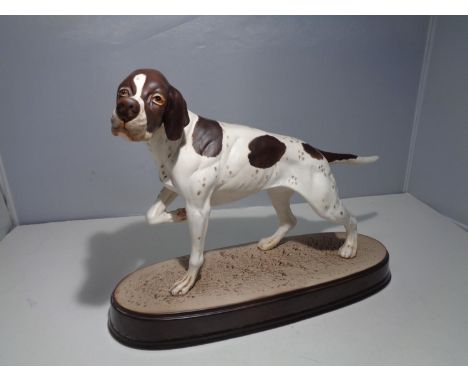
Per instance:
(166,151)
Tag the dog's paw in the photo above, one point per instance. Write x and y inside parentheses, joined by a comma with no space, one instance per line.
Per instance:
(180,215)
(348,251)
(152,217)
(183,285)
(268,243)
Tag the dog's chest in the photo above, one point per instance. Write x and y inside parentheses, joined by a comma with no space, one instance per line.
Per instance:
(165,154)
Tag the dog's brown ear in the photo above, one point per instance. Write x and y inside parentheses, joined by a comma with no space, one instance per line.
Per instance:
(176,115)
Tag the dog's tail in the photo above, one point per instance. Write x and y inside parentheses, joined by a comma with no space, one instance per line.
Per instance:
(348,158)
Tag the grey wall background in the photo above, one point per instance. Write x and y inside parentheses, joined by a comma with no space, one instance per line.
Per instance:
(439,175)
(5,218)
(344,84)
(7,211)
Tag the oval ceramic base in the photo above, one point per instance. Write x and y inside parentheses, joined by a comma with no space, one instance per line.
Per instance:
(243,289)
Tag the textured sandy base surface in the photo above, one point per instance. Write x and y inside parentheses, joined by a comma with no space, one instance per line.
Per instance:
(56,280)
(242,273)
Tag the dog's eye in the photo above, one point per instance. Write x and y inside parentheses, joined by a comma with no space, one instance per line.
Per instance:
(123,92)
(158,99)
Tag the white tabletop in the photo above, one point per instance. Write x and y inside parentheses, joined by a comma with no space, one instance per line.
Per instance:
(56,280)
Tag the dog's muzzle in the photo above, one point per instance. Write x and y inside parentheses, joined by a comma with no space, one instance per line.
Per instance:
(132,131)
(127,109)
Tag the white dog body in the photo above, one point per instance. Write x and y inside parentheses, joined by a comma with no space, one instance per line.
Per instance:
(210,163)
(226,177)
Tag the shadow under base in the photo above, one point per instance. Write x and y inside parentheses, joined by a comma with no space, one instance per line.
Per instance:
(243,289)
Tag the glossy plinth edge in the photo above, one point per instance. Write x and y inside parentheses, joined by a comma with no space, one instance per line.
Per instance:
(146,331)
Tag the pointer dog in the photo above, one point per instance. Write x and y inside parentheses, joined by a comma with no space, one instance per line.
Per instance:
(210,163)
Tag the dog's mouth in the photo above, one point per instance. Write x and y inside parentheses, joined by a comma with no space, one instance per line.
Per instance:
(128,130)
(123,132)
(120,132)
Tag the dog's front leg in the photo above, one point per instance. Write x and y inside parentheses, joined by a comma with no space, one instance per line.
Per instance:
(197,217)
(157,214)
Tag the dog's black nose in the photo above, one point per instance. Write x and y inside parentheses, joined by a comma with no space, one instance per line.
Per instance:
(127,109)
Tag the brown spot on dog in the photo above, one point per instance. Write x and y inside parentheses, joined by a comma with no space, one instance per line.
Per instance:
(332,157)
(312,151)
(265,151)
(207,137)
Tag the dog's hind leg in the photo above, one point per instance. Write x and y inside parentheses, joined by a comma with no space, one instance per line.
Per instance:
(322,195)
(280,198)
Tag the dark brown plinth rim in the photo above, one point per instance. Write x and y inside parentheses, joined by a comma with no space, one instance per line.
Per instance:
(166,331)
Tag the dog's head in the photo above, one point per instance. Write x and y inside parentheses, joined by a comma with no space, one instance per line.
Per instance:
(145,102)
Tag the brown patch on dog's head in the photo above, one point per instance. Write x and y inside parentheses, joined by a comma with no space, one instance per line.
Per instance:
(145,102)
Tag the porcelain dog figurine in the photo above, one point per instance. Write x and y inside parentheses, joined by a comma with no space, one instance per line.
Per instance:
(210,163)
